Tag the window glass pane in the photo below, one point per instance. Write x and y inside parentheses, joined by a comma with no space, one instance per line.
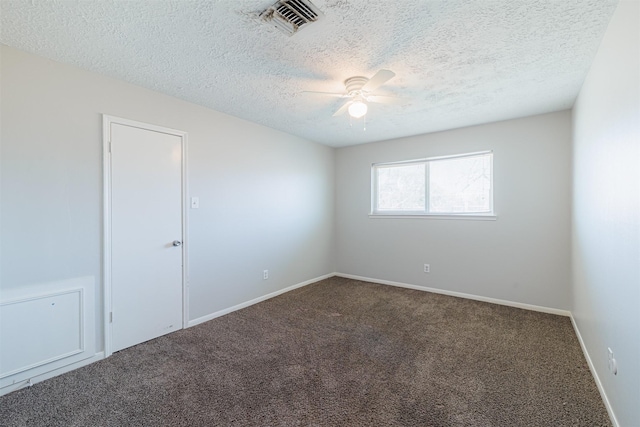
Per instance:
(460,185)
(401,188)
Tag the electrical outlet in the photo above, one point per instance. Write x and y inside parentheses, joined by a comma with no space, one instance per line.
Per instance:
(265,274)
(427,268)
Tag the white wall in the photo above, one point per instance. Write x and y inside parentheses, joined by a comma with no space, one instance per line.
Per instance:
(266,197)
(523,256)
(606,212)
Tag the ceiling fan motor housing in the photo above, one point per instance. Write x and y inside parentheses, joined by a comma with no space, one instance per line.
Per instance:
(354,85)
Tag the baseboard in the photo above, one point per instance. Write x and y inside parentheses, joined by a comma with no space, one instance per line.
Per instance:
(594,373)
(54,373)
(461,295)
(255,300)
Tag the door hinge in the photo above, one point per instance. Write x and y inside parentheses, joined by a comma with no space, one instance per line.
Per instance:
(111,317)
(109,146)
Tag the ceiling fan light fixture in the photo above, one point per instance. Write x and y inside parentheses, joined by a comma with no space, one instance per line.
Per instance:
(357,109)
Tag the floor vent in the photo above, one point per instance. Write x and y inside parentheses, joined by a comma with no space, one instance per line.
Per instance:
(290,16)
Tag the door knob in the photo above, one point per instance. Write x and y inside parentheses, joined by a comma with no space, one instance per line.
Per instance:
(177,243)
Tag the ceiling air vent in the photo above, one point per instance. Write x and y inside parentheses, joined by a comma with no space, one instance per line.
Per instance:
(290,16)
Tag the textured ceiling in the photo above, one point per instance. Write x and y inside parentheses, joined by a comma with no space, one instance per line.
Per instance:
(458,63)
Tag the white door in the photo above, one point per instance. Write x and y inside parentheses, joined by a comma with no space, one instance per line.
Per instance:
(146,234)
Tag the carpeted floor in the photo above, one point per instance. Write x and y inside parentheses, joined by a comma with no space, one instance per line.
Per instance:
(336,353)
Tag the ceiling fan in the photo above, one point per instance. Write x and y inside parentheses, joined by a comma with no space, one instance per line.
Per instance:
(359,91)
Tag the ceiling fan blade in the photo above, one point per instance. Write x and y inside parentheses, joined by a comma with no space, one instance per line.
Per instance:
(387,99)
(334,94)
(380,78)
(342,109)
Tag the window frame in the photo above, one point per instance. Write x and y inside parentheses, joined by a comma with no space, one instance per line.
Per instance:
(375,213)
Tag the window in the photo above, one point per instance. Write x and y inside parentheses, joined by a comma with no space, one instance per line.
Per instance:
(458,185)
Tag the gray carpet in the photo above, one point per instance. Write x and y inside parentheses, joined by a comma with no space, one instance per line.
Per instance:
(335,353)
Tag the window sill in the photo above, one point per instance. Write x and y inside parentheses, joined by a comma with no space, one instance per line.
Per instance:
(468,217)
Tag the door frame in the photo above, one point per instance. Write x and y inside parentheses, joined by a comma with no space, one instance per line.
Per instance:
(107,120)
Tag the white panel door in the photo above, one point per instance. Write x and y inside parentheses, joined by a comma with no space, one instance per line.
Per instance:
(146,234)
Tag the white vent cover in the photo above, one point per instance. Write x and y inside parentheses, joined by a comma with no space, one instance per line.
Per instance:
(291,16)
